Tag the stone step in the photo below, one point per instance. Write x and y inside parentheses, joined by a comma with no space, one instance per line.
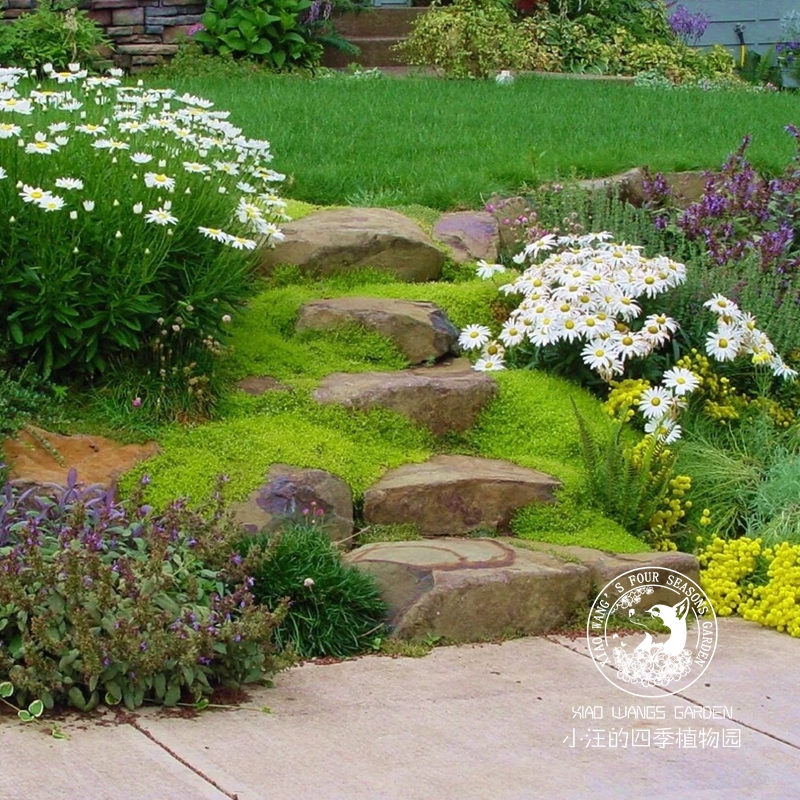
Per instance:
(336,240)
(455,495)
(421,331)
(470,235)
(384,22)
(471,589)
(447,397)
(376,51)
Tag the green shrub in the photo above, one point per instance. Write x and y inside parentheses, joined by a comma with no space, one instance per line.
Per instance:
(101,602)
(55,33)
(268,31)
(333,609)
(470,38)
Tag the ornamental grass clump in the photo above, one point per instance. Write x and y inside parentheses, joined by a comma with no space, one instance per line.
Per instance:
(131,216)
(103,602)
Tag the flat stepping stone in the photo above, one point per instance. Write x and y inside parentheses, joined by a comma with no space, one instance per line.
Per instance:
(470,235)
(95,459)
(445,398)
(257,385)
(469,589)
(607,567)
(337,240)
(455,495)
(421,331)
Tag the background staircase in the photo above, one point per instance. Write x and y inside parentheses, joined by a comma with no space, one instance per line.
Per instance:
(375,31)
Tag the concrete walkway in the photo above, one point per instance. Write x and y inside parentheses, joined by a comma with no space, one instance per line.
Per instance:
(484,722)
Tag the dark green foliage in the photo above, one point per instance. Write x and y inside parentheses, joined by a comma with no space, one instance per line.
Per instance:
(340,614)
(55,33)
(268,31)
(628,483)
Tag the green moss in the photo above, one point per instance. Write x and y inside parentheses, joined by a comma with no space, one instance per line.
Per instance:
(297,209)
(424,217)
(280,427)
(399,532)
(532,424)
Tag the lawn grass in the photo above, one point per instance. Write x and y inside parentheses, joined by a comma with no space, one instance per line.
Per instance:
(448,144)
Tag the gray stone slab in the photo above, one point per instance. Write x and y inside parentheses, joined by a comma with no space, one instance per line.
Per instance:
(470,723)
(98,762)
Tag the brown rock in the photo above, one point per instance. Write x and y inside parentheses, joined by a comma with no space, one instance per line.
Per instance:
(288,492)
(259,384)
(468,589)
(329,241)
(444,398)
(607,567)
(454,495)
(470,235)
(421,331)
(97,460)
(687,187)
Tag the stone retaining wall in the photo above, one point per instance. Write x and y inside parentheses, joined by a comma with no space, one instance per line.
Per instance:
(142,31)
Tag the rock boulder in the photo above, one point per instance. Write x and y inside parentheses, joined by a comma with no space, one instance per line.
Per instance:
(470,235)
(336,240)
(421,331)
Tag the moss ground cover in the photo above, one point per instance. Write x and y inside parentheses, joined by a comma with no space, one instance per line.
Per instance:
(530,424)
(448,144)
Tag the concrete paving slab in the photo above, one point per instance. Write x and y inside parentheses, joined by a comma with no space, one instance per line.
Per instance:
(97,762)
(753,672)
(475,722)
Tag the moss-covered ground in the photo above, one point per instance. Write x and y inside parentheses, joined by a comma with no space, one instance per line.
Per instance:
(531,422)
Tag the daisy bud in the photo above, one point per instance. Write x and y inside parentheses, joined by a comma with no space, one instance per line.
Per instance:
(12,220)
(75,250)
(115,203)
(137,208)
(118,235)
(308,583)
(73,215)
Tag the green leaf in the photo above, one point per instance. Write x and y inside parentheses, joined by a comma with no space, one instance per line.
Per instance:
(36,708)
(261,47)
(201,704)
(160,685)
(6,689)
(173,693)
(25,716)
(76,698)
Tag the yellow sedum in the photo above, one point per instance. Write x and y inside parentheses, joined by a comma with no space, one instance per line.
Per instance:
(732,576)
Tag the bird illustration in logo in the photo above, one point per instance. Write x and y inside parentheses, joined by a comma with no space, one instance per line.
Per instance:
(674,617)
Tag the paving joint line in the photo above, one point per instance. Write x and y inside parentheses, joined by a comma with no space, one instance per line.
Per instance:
(743,724)
(131,720)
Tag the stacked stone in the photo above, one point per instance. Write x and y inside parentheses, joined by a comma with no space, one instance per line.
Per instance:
(142,32)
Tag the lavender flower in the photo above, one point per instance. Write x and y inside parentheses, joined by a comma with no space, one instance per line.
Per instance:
(688,27)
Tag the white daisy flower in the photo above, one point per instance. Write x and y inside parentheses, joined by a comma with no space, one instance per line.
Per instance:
(599,355)
(723,344)
(160,216)
(720,305)
(664,428)
(474,336)
(69,183)
(41,146)
(241,243)
(217,234)
(110,144)
(512,334)
(92,130)
(8,130)
(681,381)
(157,180)
(33,194)
(780,369)
(51,203)
(486,270)
(194,166)
(655,402)
(88,205)
(489,364)
(141,158)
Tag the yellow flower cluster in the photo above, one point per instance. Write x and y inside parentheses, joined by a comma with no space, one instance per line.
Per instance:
(671,513)
(721,401)
(783,417)
(777,603)
(726,568)
(623,399)
(725,565)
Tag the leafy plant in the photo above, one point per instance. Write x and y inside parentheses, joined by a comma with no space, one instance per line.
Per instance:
(333,609)
(469,38)
(633,485)
(270,31)
(105,602)
(54,32)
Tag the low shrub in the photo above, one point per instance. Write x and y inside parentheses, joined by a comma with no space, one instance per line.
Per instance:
(104,602)
(333,609)
(467,39)
(268,31)
(54,33)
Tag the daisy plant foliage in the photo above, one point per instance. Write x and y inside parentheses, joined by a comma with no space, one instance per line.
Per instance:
(589,291)
(129,213)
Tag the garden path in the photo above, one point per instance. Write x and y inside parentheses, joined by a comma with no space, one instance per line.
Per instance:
(485,722)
